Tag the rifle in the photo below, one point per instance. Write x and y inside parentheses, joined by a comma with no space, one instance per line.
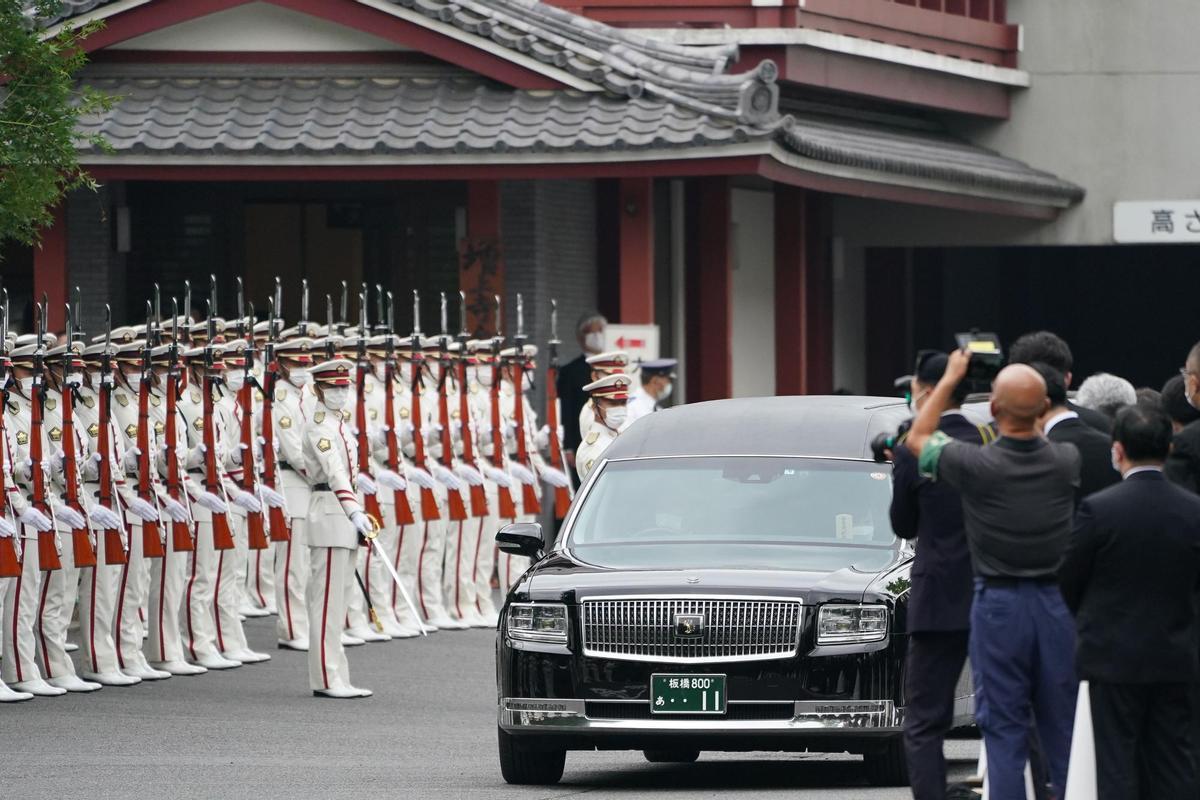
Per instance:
(458,509)
(115,543)
(478,494)
(330,347)
(181,532)
(562,494)
(508,509)
(81,538)
(429,507)
(222,536)
(404,513)
(256,532)
(529,498)
(10,561)
(47,540)
(281,530)
(152,543)
(363,366)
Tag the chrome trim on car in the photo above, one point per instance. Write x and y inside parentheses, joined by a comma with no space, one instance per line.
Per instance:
(570,716)
(735,628)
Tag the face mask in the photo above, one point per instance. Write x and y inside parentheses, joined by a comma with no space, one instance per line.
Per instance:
(380,371)
(666,392)
(527,382)
(74,379)
(912,402)
(483,375)
(300,377)
(594,342)
(336,397)
(134,379)
(615,417)
(235,380)
(1116,464)
(26,385)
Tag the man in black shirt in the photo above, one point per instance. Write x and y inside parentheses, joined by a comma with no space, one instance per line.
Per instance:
(1133,562)
(1018,501)
(1049,348)
(573,376)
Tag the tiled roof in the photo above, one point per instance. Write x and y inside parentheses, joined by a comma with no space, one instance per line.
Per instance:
(332,116)
(66,10)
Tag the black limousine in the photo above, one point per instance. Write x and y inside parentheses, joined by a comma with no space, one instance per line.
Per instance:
(727,579)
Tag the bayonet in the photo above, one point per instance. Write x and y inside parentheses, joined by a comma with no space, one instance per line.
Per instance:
(391,313)
(303,325)
(157,308)
(329,327)
(416,316)
(462,314)
(78,303)
(445,325)
(343,308)
(380,319)
(554,342)
(362,318)
(241,308)
(276,308)
(212,298)
(520,337)
(187,309)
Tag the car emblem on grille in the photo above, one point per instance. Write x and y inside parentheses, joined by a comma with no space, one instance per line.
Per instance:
(688,626)
(692,579)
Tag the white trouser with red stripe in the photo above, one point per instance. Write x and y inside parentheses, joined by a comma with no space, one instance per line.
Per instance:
(356,607)
(291,576)
(510,568)
(260,577)
(133,589)
(407,558)
(485,557)
(56,605)
(462,546)
(97,605)
(326,594)
(378,580)
(20,611)
(229,594)
(168,581)
(199,621)
(431,567)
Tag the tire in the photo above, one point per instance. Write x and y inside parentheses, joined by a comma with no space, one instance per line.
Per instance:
(678,756)
(527,766)
(887,766)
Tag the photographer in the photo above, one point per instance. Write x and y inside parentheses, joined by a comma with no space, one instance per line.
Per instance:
(939,607)
(1018,499)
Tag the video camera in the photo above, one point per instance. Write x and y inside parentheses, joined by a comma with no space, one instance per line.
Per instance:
(987,357)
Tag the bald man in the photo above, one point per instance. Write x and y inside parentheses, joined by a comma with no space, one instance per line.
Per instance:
(1018,501)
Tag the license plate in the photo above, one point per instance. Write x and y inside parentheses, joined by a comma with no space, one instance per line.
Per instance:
(687,694)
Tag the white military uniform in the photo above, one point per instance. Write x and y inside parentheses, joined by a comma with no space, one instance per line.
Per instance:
(328,446)
(16,593)
(293,407)
(598,435)
(511,567)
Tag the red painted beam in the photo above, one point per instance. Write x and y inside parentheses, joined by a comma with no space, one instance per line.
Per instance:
(790,255)
(50,274)
(708,293)
(816,311)
(636,198)
(481,257)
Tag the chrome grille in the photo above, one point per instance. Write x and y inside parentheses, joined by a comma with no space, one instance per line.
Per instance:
(735,629)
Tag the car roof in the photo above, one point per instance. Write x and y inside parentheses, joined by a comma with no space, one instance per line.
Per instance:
(819,426)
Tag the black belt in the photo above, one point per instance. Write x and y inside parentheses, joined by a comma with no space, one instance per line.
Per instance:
(199,472)
(286,465)
(321,487)
(996,582)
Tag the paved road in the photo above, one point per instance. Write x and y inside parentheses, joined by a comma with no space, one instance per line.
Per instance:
(429,732)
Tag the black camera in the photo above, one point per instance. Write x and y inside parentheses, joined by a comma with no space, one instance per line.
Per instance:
(987,357)
(884,443)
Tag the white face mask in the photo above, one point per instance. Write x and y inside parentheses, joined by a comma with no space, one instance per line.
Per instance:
(336,397)
(484,375)
(1116,464)
(594,342)
(666,392)
(380,371)
(74,379)
(134,379)
(26,385)
(299,377)
(615,416)
(527,381)
(235,380)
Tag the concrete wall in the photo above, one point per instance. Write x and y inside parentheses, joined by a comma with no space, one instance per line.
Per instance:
(93,263)
(753,325)
(1113,106)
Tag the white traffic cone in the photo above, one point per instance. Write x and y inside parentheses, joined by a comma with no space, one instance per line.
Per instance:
(982,774)
(1081,771)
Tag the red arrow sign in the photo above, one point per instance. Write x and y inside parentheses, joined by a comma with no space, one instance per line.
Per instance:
(624,343)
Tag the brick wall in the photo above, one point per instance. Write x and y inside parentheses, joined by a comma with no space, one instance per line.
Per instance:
(94,265)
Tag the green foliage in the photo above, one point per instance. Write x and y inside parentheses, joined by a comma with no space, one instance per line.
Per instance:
(39,106)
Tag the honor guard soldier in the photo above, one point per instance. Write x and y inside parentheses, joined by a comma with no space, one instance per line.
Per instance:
(336,521)
(615,362)
(657,381)
(609,397)
(260,571)
(294,406)
(525,464)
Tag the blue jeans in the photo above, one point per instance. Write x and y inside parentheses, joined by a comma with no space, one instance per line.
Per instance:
(1023,656)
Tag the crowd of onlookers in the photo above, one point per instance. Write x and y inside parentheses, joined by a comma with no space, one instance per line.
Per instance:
(1058,542)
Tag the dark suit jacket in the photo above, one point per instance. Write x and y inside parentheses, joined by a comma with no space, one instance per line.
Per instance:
(1130,575)
(572,377)
(932,513)
(1183,465)
(1097,419)
(1095,455)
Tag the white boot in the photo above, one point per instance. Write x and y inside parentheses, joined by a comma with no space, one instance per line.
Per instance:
(8,695)
(39,688)
(73,683)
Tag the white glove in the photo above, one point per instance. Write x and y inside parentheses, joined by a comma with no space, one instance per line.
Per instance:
(247,501)
(420,477)
(469,474)
(7,530)
(69,516)
(105,518)
(456,430)
(498,477)
(433,435)
(542,440)
(377,436)
(36,520)
(212,502)
(363,482)
(175,509)
(360,522)
(484,432)
(236,455)
(391,480)
(143,510)
(273,498)
(522,474)
(510,429)
(56,462)
(130,462)
(555,477)
(446,477)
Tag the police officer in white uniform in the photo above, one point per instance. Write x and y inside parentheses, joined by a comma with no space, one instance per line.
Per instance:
(657,381)
(609,397)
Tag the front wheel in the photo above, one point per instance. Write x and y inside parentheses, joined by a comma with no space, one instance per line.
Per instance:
(887,765)
(528,766)
(679,756)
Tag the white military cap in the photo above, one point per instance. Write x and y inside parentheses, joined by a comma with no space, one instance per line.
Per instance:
(612,362)
(610,387)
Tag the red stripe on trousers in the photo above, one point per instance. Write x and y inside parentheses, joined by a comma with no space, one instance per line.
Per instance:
(217,603)
(40,626)
(92,616)
(287,595)
(420,566)
(325,614)
(458,573)
(191,585)
(121,610)
(16,614)
(396,565)
(475,565)
(162,596)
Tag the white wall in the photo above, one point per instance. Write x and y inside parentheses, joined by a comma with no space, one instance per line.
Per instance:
(258,27)
(753,324)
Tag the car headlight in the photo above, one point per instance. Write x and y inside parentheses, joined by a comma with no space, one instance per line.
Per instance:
(845,624)
(538,622)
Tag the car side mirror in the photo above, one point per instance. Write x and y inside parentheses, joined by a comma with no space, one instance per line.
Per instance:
(522,539)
